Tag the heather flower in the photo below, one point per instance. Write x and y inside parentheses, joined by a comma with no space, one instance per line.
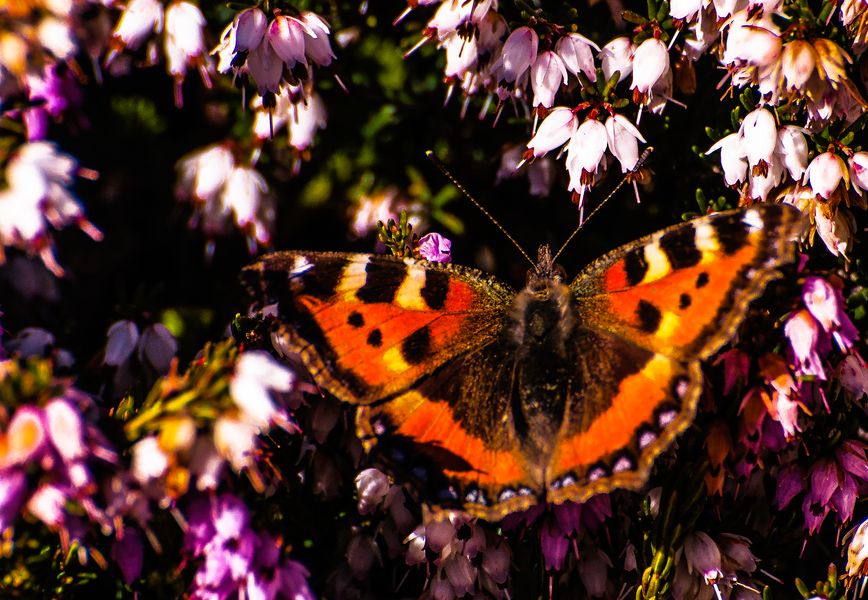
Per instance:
(733,158)
(256,376)
(518,54)
(128,553)
(858,170)
(547,74)
(825,173)
(585,154)
(736,366)
(792,150)
(758,139)
(857,553)
(623,140)
(834,484)
(185,44)
(372,486)
(463,558)
(245,194)
(805,339)
(853,376)
(790,483)
(140,19)
(13,493)
(554,131)
(827,306)
(575,52)
(435,248)
(316,42)
(617,55)
(650,63)
(38,176)
(784,404)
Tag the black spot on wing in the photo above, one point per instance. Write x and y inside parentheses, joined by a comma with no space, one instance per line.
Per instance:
(649,316)
(732,233)
(356,319)
(684,301)
(680,247)
(382,281)
(635,266)
(321,280)
(701,280)
(436,288)
(375,338)
(416,347)
(307,329)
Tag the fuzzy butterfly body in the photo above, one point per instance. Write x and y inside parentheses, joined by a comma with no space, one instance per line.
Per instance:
(496,400)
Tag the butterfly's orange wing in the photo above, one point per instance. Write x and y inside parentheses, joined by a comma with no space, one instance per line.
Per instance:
(368,326)
(672,298)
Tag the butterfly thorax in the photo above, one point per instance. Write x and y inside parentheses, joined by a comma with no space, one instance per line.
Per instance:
(542,321)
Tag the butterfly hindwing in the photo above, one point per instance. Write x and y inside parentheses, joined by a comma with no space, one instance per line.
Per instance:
(370,326)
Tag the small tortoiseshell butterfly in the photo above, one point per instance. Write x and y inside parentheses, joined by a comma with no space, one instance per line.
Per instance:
(554,393)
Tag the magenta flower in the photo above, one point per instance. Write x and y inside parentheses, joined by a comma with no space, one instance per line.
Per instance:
(736,366)
(790,483)
(834,484)
(554,544)
(128,553)
(435,248)
(13,493)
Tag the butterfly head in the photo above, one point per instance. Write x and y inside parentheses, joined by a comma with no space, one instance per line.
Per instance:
(545,273)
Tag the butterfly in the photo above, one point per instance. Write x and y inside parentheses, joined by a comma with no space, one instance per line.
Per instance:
(496,400)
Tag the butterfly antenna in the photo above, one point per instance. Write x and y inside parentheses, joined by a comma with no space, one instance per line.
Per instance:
(433,158)
(638,165)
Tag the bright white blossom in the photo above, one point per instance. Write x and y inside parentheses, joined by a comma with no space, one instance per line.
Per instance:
(617,55)
(547,75)
(554,131)
(575,52)
(650,63)
(825,174)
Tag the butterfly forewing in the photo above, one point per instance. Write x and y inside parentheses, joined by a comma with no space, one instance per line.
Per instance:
(682,291)
(370,326)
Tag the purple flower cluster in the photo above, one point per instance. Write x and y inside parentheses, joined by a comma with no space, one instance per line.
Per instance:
(236,559)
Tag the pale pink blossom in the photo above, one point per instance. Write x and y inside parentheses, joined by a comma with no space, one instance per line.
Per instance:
(575,52)
(57,37)
(305,118)
(623,140)
(266,68)
(684,9)
(761,184)
(853,376)
(518,54)
(256,376)
(792,149)
(316,42)
(235,440)
(798,62)
(249,29)
(836,227)
(244,194)
(587,146)
(554,131)
(827,306)
(287,37)
(650,63)
(858,165)
(825,173)
(184,40)
(759,136)
(733,159)
(203,172)
(65,429)
(461,54)
(47,504)
(547,75)
(617,55)
(804,335)
(140,19)
(149,461)
(755,42)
